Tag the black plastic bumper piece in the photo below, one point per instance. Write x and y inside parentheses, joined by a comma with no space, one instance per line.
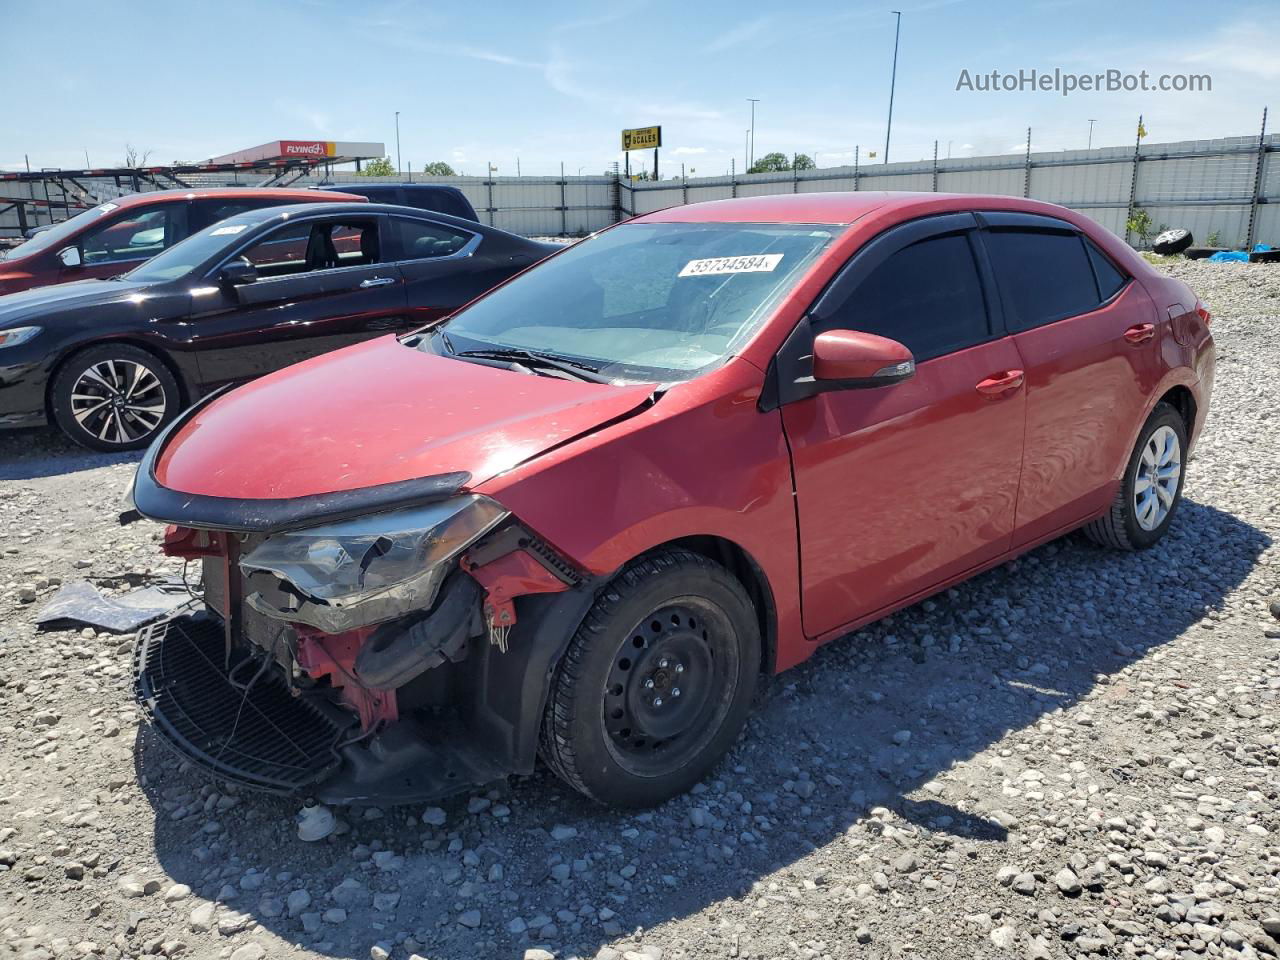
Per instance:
(411,762)
(253,732)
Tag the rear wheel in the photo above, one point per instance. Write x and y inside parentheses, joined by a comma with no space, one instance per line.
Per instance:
(1152,486)
(114,397)
(656,683)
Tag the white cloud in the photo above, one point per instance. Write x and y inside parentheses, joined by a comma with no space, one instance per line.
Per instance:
(688,151)
(1247,47)
(742,33)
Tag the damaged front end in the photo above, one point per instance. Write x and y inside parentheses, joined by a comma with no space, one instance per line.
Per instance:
(357,658)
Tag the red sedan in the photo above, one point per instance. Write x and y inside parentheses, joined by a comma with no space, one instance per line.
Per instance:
(582,517)
(114,237)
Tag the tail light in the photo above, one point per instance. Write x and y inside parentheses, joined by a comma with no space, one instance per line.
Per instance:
(1204,313)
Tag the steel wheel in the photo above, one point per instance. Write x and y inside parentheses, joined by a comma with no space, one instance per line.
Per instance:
(656,682)
(118,401)
(664,691)
(1156,484)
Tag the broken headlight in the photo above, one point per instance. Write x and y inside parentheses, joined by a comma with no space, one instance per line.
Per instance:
(364,571)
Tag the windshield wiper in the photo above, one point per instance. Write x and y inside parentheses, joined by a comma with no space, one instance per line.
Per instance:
(579,371)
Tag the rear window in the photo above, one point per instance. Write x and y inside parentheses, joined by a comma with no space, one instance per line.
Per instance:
(1110,279)
(1043,275)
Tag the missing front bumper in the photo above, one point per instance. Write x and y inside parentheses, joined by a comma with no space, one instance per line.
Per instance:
(270,740)
(255,734)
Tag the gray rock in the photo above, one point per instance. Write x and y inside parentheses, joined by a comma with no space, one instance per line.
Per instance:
(1067,882)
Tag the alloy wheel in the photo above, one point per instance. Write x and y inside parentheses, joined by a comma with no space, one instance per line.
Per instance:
(1155,487)
(118,401)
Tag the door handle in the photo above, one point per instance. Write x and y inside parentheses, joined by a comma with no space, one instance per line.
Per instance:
(999,384)
(1140,333)
(376,282)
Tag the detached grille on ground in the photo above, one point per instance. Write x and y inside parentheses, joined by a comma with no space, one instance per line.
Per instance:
(257,734)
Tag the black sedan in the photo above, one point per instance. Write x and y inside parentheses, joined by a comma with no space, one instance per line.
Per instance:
(112,361)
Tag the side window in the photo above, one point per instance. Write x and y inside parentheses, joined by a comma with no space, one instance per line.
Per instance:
(136,235)
(209,212)
(422,240)
(282,251)
(1110,279)
(1044,276)
(926,296)
(325,245)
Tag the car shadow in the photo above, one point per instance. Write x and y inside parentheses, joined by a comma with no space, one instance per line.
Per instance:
(44,452)
(880,719)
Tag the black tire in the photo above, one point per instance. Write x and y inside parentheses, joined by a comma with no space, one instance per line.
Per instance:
(1120,527)
(611,737)
(91,393)
(1171,241)
(1202,253)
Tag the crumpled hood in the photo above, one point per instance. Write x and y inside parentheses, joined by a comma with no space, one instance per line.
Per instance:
(43,303)
(376,413)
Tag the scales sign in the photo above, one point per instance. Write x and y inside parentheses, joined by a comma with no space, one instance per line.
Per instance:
(642,138)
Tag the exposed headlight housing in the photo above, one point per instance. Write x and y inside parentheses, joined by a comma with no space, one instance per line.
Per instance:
(16,335)
(364,571)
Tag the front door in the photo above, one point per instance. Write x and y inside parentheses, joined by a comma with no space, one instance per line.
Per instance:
(904,486)
(128,240)
(322,284)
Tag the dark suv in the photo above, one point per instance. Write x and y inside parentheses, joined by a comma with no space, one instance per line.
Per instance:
(424,196)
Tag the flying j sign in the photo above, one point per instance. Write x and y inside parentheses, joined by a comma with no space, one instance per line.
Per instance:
(642,138)
(308,148)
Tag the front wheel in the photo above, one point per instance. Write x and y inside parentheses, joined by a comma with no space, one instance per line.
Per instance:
(1152,486)
(114,397)
(656,683)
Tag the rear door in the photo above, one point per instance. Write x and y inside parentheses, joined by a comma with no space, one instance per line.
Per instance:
(323,283)
(446,266)
(1089,339)
(901,487)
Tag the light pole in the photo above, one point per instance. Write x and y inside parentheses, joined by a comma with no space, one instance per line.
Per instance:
(751,149)
(893,80)
(746,149)
(1091,123)
(399,169)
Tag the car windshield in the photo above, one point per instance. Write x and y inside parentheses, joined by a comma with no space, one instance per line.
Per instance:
(644,301)
(60,233)
(183,257)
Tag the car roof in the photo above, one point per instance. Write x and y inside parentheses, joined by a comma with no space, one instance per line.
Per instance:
(401,186)
(285,211)
(286,194)
(828,208)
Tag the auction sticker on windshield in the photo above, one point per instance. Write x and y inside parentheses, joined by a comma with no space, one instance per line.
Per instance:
(755,263)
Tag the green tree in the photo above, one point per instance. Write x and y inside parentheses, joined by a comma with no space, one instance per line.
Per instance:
(778,162)
(439,168)
(771,163)
(381,167)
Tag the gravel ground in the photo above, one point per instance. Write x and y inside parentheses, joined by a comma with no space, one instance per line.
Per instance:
(1074,754)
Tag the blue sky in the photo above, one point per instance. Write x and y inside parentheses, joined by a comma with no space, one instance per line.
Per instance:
(555,82)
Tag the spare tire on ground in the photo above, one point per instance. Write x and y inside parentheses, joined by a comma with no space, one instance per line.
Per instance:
(1171,241)
(1202,253)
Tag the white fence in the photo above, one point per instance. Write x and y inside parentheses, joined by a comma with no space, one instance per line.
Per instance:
(1227,189)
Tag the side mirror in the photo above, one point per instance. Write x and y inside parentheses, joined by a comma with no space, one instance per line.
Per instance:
(238,272)
(69,256)
(846,358)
